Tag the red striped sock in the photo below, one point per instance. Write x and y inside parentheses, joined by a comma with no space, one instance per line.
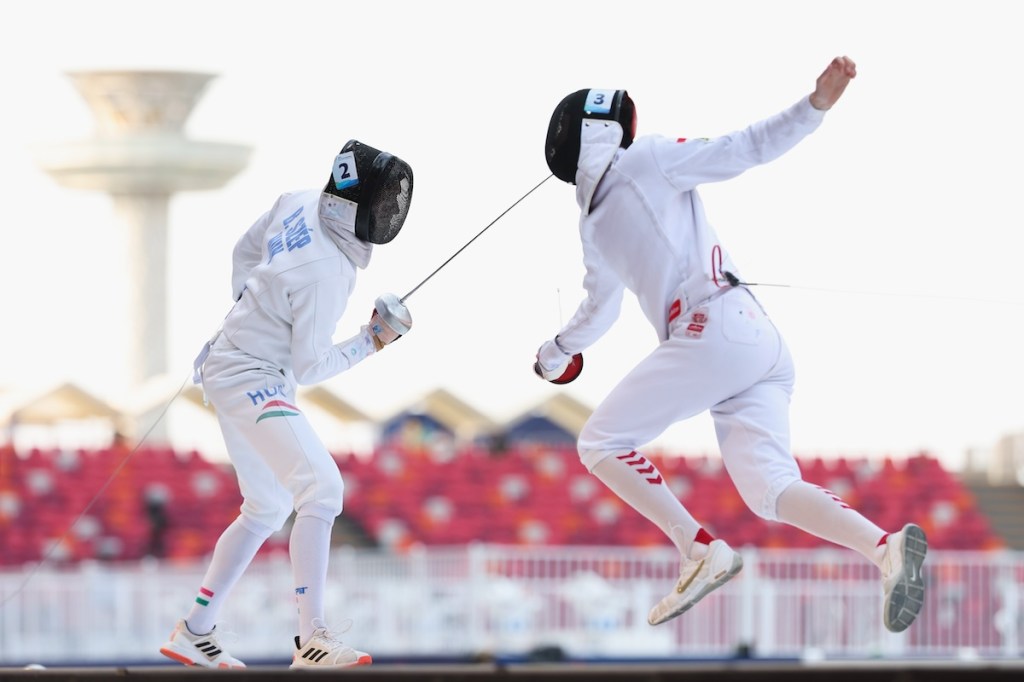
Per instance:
(699,547)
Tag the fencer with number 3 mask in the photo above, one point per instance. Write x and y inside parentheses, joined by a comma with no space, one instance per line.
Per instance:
(643,229)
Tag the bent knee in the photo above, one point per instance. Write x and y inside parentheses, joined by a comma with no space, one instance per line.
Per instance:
(324,498)
(591,457)
(264,519)
(762,496)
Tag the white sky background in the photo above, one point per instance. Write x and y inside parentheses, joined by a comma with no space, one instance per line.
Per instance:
(908,194)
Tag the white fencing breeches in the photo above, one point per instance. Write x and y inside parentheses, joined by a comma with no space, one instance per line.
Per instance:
(726,356)
(280,462)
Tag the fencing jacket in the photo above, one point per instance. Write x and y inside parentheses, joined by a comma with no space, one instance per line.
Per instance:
(642,223)
(293,273)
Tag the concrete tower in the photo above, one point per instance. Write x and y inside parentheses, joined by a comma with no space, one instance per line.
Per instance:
(140,155)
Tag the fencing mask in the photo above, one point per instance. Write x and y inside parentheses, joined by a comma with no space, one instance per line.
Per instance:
(380,184)
(562,148)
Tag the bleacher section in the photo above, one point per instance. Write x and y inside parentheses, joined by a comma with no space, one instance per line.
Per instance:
(160,503)
(174,505)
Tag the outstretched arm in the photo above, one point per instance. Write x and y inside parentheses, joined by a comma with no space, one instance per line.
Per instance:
(832,82)
(702,160)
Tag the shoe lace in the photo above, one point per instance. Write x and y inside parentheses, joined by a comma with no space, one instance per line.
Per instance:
(688,566)
(333,635)
(225,636)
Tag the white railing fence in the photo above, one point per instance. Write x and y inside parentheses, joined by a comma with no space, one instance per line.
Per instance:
(472,601)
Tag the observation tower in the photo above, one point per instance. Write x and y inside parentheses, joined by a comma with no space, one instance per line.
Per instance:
(140,156)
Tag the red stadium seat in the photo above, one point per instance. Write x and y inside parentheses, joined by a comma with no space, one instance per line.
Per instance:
(401,497)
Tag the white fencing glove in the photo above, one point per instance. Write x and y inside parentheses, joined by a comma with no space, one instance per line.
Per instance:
(389,321)
(555,365)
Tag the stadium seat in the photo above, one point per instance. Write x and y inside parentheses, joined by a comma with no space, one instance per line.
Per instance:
(405,496)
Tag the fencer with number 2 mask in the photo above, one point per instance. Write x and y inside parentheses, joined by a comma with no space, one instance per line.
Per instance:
(643,228)
(293,273)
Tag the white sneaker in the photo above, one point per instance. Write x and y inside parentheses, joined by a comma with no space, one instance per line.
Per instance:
(202,650)
(697,578)
(902,581)
(325,650)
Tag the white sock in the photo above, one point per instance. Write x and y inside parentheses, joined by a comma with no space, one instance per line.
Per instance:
(636,480)
(821,513)
(309,547)
(235,549)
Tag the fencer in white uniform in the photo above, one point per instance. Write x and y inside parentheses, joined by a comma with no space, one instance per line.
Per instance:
(643,228)
(293,273)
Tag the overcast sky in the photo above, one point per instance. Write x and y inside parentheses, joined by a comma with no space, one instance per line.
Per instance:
(897,224)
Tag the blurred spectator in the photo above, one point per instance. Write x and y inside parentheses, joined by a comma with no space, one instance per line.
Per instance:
(155,498)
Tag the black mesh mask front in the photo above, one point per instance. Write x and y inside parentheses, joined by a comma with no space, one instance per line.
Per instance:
(380,186)
(562,146)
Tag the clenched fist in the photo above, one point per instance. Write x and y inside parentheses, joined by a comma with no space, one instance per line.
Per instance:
(832,82)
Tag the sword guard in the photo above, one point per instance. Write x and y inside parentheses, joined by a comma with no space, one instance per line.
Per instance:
(393,313)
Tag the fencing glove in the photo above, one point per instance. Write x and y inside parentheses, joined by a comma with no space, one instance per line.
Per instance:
(555,365)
